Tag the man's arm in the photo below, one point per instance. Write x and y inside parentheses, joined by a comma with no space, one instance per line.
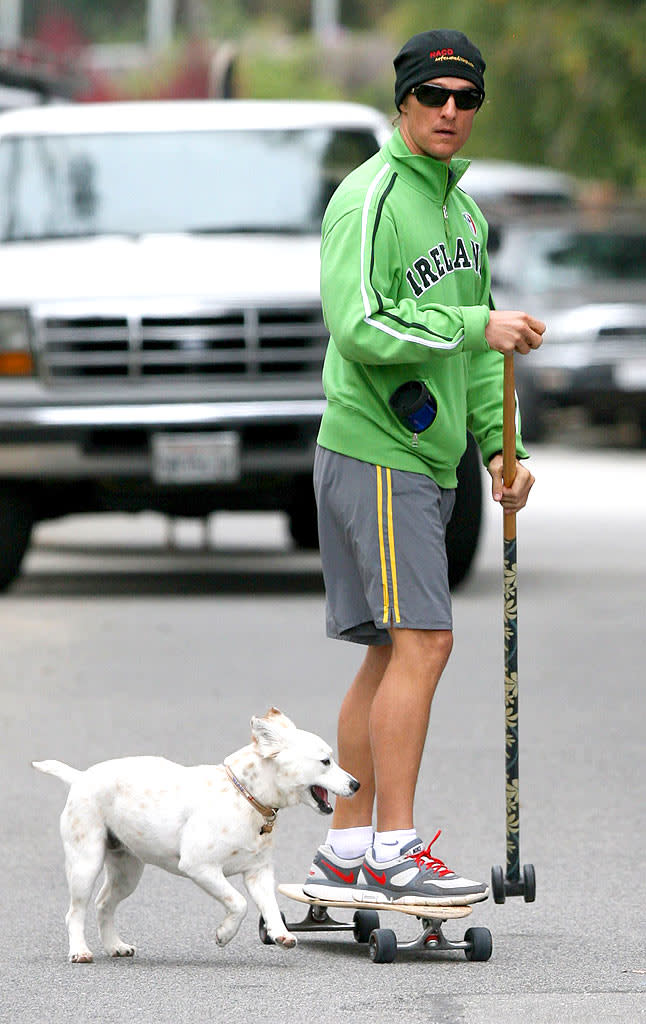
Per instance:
(360,275)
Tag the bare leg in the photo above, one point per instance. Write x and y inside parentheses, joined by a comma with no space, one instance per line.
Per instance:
(355,753)
(383,724)
(122,874)
(399,720)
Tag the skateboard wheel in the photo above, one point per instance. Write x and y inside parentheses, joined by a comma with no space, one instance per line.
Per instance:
(498,884)
(529,883)
(479,944)
(264,934)
(382,946)
(365,922)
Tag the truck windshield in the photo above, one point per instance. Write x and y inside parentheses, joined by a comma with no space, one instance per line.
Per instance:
(62,186)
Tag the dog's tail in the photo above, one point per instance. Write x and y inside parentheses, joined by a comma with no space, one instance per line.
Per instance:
(60,770)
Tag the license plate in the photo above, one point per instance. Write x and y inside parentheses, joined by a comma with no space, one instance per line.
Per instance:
(631,375)
(195,458)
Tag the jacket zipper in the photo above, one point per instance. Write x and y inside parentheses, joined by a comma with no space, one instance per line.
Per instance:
(445,211)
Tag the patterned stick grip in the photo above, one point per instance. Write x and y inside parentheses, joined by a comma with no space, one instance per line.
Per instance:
(511,710)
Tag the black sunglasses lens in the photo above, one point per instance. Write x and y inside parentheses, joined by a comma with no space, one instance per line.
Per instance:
(432,95)
(467,99)
(436,96)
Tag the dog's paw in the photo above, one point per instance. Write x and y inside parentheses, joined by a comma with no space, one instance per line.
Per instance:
(223,936)
(287,941)
(84,957)
(122,950)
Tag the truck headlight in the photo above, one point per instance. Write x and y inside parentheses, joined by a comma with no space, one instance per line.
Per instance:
(16,359)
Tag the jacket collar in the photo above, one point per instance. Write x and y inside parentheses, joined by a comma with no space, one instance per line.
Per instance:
(423,172)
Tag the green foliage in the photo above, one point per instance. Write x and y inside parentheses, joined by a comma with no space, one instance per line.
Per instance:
(564,80)
(300,73)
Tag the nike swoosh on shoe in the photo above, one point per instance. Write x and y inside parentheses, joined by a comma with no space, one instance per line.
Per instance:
(341,874)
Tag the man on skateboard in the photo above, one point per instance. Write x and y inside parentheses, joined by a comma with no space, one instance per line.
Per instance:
(415,359)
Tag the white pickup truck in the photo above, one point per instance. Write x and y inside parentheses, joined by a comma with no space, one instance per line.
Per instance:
(161,337)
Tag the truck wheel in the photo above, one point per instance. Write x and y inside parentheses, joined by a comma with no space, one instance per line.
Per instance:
(303,525)
(463,530)
(16,521)
(532,408)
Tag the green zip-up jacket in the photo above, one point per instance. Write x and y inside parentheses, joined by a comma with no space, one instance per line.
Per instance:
(405,286)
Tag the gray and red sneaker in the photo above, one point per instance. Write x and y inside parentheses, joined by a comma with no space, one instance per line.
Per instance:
(415,876)
(331,877)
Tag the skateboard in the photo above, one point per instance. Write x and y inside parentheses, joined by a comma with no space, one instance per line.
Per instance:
(383,944)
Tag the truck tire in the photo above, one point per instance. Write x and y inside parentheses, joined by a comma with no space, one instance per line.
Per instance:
(301,512)
(16,521)
(463,531)
(532,408)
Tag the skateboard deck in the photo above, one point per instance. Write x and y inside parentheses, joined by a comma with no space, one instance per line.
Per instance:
(295,892)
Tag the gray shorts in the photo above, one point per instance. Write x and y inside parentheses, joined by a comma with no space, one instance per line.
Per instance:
(382,537)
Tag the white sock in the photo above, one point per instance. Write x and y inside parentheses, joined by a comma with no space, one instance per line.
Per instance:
(388,845)
(350,843)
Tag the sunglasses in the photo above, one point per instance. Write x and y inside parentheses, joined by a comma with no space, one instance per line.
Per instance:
(437,96)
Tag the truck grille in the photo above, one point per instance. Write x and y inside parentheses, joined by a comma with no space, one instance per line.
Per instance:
(250,342)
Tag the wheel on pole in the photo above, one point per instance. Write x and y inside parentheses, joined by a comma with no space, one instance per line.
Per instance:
(498,884)
(529,883)
(382,946)
(480,944)
(365,922)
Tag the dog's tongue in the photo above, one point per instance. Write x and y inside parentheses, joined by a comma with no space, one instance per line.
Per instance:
(321,793)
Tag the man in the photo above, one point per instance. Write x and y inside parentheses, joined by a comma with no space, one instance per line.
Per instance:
(415,358)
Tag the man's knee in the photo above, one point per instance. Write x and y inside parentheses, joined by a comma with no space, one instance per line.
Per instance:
(430,649)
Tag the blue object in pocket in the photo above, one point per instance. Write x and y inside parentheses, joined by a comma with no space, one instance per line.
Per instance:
(414,405)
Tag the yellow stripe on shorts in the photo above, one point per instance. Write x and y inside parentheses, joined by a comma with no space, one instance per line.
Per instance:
(382,546)
(389,546)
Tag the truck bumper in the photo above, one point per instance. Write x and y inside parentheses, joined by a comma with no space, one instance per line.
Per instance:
(85,441)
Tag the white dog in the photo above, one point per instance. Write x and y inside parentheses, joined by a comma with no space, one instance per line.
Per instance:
(204,822)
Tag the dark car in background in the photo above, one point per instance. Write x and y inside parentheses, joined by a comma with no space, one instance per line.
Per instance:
(584,274)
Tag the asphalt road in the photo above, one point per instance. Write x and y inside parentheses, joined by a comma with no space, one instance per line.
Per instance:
(113,644)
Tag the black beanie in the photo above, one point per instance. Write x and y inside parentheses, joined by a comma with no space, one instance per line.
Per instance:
(436,54)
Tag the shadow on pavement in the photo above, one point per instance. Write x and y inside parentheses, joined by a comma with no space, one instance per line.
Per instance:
(150,584)
(116,571)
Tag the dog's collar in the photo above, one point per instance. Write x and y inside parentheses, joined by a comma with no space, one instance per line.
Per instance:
(269,813)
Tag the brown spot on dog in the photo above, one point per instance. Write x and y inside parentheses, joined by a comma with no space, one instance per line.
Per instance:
(81,958)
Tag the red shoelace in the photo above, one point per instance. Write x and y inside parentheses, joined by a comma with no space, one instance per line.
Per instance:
(425,861)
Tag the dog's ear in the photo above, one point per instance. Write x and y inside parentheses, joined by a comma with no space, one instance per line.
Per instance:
(266,736)
(276,717)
